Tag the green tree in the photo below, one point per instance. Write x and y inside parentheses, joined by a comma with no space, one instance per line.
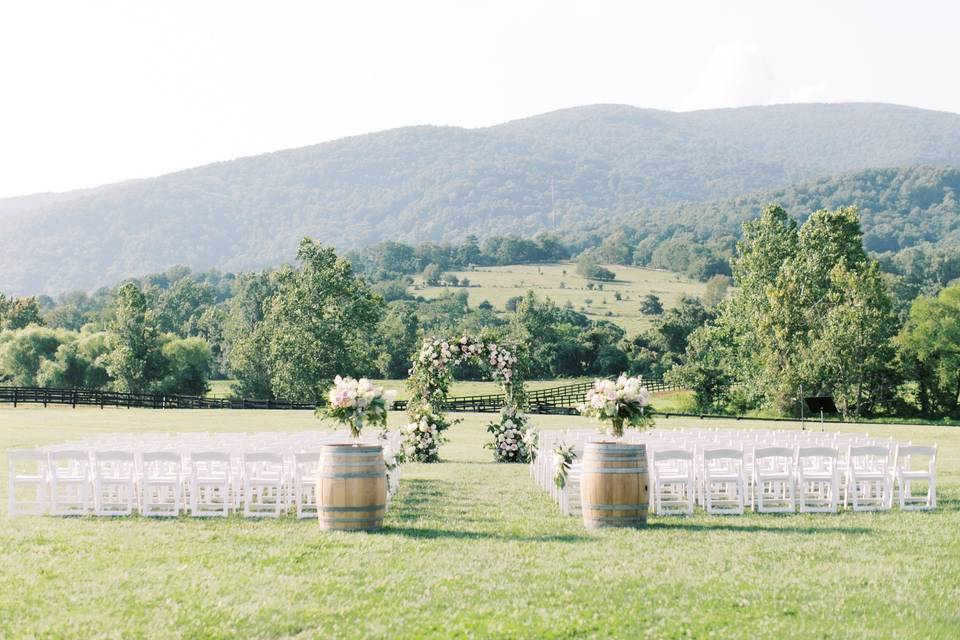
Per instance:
(318,325)
(23,351)
(929,351)
(134,360)
(588,267)
(17,313)
(187,367)
(432,275)
(715,291)
(650,305)
(76,364)
(851,354)
(400,337)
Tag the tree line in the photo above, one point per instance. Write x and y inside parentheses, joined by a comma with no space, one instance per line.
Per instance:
(812,313)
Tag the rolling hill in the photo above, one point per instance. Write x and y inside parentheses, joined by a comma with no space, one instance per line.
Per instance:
(899,208)
(440,183)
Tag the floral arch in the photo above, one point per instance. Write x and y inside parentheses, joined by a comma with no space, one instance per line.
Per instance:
(429,384)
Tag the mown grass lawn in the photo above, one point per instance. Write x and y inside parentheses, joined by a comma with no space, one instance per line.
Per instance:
(472,549)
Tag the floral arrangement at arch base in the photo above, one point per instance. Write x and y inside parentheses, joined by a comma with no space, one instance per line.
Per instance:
(423,435)
(514,439)
(356,403)
(625,402)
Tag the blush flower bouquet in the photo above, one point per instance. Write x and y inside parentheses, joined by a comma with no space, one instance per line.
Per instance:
(358,402)
(624,402)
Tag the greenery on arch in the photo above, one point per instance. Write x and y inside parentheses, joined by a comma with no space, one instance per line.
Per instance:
(429,383)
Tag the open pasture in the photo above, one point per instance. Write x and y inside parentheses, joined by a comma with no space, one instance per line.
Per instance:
(472,549)
(560,283)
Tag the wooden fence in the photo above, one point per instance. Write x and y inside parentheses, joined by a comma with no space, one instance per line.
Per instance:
(554,400)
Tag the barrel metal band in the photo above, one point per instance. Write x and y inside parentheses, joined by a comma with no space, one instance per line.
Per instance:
(350,464)
(349,451)
(372,507)
(617,507)
(372,474)
(353,520)
(636,470)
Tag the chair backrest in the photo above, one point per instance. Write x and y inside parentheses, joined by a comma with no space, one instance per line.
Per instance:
(817,452)
(868,458)
(161,465)
(116,464)
(819,459)
(671,454)
(773,452)
(262,457)
(726,454)
(869,450)
(214,465)
(160,456)
(906,455)
(69,463)
(26,463)
(306,463)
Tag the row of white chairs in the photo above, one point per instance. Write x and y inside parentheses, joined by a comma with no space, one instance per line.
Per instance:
(259,475)
(724,471)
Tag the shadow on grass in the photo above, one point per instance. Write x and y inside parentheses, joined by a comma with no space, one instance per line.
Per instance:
(457,534)
(753,528)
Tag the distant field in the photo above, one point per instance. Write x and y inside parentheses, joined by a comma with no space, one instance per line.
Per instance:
(220,388)
(560,283)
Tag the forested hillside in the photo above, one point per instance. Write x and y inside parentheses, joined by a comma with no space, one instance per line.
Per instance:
(899,208)
(442,183)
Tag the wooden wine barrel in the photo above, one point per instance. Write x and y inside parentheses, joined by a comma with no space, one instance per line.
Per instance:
(351,487)
(614,485)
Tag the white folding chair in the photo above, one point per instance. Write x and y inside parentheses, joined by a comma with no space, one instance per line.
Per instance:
(210,483)
(906,474)
(869,478)
(161,486)
(70,493)
(773,480)
(114,490)
(305,467)
(818,479)
(262,485)
(724,485)
(674,481)
(28,482)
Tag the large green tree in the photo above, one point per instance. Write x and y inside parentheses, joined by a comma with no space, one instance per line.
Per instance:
(135,359)
(810,311)
(319,324)
(929,346)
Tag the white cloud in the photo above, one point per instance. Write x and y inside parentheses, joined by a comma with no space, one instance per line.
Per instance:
(736,74)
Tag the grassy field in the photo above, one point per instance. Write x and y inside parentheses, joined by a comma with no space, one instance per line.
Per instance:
(561,284)
(472,549)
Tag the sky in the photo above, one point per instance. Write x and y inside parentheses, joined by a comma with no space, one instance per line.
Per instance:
(95,92)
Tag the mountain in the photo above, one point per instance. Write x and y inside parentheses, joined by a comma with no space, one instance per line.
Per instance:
(441,183)
(899,208)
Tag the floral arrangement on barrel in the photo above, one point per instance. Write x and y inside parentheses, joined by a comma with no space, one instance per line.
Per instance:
(357,402)
(511,436)
(563,457)
(423,436)
(624,402)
